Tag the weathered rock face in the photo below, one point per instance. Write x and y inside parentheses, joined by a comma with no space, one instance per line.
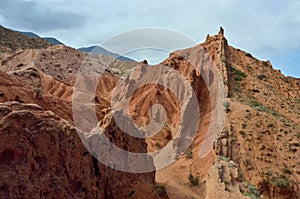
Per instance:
(42,155)
(256,154)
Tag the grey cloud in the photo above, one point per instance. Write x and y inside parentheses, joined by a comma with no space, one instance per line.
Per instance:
(29,15)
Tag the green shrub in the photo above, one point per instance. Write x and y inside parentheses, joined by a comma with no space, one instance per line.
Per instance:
(261,77)
(248,162)
(254,103)
(160,190)
(38,90)
(238,78)
(189,154)
(224,158)
(281,181)
(239,73)
(269,173)
(286,170)
(194,180)
(157,144)
(243,133)
(253,192)
(297,100)
(226,104)
(260,107)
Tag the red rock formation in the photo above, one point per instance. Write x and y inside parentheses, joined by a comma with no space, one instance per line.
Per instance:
(42,156)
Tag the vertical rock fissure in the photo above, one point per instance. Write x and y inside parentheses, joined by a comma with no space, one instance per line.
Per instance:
(96,168)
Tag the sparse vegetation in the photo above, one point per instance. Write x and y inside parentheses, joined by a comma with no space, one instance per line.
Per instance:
(243,133)
(297,100)
(33,74)
(239,73)
(249,55)
(224,158)
(226,104)
(254,103)
(269,173)
(244,126)
(281,181)
(189,154)
(38,90)
(233,140)
(248,164)
(286,170)
(261,77)
(194,180)
(160,190)
(252,192)
(238,78)
(260,107)
(157,144)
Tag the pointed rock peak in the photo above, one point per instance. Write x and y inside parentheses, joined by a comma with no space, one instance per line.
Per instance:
(207,37)
(143,63)
(219,36)
(221,31)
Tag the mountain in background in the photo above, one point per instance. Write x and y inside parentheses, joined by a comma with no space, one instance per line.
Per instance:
(51,40)
(30,34)
(102,51)
(90,49)
(11,41)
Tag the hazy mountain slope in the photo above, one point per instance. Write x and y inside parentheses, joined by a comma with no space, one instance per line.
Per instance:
(51,40)
(30,34)
(102,51)
(11,40)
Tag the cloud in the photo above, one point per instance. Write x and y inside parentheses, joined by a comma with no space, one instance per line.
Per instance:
(30,15)
(260,27)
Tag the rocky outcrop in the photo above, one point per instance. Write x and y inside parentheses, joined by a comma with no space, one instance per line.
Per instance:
(42,155)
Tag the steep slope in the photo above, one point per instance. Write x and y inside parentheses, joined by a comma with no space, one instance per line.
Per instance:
(11,41)
(42,156)
(267,131)
(258,151)
(15,89)
(62,164)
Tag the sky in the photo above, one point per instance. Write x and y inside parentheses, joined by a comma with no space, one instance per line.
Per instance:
(268,29)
